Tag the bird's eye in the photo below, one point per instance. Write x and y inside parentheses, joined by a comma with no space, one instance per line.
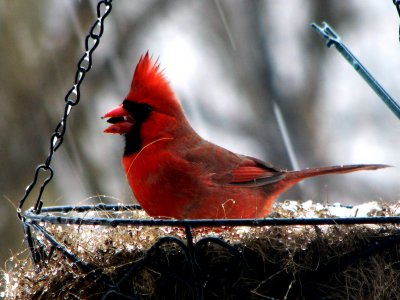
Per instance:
(139,111)
(147,107)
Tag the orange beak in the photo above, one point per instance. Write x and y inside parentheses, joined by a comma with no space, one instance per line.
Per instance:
(121,120)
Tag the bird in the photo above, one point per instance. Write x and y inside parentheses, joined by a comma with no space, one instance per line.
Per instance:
(175,173)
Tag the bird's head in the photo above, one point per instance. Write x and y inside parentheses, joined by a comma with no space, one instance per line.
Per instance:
(150,111)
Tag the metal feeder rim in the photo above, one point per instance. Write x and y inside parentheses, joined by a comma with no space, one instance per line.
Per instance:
(31,216)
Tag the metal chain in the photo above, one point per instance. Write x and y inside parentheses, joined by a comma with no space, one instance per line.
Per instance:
(71,99)
(397,4)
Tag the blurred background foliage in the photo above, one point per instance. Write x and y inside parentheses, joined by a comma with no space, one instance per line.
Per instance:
(230,63)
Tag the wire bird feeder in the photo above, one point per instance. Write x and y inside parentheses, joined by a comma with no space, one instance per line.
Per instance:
(40,223)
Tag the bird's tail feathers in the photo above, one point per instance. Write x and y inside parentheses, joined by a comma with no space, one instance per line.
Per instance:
(311,172)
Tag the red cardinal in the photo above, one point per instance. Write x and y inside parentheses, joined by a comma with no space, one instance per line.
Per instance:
(175,173)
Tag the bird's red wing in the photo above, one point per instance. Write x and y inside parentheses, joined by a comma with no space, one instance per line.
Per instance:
(251,173)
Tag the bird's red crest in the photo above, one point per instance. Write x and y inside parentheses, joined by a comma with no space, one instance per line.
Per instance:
(149,85)
(147,72)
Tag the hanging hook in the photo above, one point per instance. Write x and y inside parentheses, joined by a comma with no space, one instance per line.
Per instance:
(333,39)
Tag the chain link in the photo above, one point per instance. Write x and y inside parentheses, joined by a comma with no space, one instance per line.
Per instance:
(72,98)
(397,4)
